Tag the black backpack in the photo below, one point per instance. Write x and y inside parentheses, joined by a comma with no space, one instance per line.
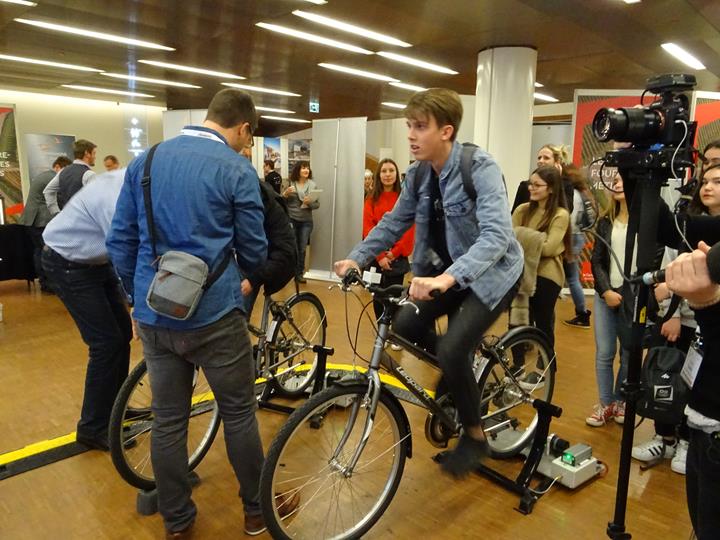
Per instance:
(465,170)
(664,392)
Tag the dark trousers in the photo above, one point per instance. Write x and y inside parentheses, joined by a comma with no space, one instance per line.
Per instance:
(702,483)
(385,281)
(468,320)
(94,298)
(542,307)
(38,243)
(224,352)
(302,239)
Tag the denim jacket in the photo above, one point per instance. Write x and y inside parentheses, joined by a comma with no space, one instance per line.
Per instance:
(486,255)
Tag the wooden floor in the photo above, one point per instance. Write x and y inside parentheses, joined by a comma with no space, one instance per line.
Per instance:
(42,365)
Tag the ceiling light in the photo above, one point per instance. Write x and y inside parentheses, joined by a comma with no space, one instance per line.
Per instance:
(538,85)
(317,2)
(406,86)
(20,2)
(105,90)
(313,38)
(358,72)
(282,119)
(189,69)
(393,105)
(682,55)
(96,35)
(350,28)
(151,81)
(46,63)
(260,89)
(272,109)
(416,62)
(631,1)
(545,97)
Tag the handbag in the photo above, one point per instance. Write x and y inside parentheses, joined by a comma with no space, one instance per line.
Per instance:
(180,278)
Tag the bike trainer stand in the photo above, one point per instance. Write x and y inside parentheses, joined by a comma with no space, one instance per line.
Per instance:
(521,484)
(269,392)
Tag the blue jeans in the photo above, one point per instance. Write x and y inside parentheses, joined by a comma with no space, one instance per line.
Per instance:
(302,239)
(224,352)
(96,303)
(607,320)
(572,273)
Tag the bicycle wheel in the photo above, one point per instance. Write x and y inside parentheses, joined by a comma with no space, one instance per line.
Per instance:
(131,424)
(310,457)
(290,352)
(508,416)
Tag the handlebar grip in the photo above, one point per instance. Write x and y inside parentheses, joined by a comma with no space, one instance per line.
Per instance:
(351,276)
(435,294)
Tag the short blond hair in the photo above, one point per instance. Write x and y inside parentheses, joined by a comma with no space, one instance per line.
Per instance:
(442,104)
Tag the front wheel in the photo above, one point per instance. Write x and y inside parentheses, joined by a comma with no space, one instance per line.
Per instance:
(311,456)
(131,425)
(508,416)
(299,327)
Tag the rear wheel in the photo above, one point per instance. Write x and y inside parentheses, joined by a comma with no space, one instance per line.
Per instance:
(311,457)
(298,329)
(131,425)
(508,416)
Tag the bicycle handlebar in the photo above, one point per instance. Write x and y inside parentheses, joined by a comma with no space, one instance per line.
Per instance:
(353,276)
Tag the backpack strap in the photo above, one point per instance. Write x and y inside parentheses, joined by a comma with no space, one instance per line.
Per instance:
(147,198)
(466,170)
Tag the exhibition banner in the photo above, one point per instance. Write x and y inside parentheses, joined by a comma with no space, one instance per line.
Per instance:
(298,150)
(42,149)
(10,186)
(707,115)
(271,151)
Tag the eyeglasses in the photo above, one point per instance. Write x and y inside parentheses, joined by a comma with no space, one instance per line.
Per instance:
(536,185)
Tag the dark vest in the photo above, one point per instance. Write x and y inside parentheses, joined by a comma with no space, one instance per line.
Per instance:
(70,182)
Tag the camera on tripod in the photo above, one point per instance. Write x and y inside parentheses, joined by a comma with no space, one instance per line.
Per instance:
(657,123)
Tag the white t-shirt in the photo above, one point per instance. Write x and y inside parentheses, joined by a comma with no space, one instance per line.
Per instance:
(617,241)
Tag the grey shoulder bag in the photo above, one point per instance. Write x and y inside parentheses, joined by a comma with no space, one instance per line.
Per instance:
(180,278)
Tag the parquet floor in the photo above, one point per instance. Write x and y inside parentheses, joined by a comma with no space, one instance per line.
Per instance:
(42,365)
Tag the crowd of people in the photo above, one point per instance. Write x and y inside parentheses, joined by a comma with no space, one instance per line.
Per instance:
(459,236)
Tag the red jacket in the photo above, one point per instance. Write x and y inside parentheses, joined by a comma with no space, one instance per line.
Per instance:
(373,213)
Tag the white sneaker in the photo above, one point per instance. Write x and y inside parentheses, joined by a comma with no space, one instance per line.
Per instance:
(395,347)
(653,449)
(678,461)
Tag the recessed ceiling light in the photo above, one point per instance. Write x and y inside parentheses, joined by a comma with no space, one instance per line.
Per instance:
(350,28)
(150,81)
(20,2)
(631,1)
(317,2)
(406,86)
(282,119)
(358,72)
(682,55)
(189,69)
(272,109)
(95,35)
(545,97)
(393,105)
(416,62)
(313,38)
(261,89)
(47,63)
(538,85)
(105,90)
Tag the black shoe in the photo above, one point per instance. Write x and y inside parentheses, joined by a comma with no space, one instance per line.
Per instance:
(96,443)
(581,320)
(465,457)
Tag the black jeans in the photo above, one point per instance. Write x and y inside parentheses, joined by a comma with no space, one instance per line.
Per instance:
(93,296)
(542,307)
(702,483)
(38,243)
(468,320)
(302,229)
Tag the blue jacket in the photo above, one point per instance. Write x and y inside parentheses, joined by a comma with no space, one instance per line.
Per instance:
(206,200)
(486,255)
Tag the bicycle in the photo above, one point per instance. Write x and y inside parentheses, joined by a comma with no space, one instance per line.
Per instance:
(348,467)
(284,358)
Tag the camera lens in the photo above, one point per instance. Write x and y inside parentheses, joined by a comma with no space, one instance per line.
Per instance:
(628,124)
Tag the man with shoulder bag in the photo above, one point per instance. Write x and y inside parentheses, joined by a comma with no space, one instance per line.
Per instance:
(186,207)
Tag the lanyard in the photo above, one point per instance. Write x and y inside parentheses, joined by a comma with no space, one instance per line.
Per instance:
(202,134)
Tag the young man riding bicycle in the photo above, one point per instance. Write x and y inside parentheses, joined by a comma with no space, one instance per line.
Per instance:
(464,248)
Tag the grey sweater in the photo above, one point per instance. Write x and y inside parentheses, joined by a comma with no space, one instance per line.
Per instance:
(297,211)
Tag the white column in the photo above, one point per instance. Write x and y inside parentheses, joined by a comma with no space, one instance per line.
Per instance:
(504,109)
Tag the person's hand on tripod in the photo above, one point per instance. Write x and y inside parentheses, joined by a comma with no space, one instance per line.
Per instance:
(689,277)
(612,299)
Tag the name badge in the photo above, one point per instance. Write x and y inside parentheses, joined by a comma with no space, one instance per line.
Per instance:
(690,368)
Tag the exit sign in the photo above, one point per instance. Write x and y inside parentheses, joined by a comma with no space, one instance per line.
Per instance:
(314,106)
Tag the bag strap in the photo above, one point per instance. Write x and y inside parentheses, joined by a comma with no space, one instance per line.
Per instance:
(147,198)
(215,275)
(466,170)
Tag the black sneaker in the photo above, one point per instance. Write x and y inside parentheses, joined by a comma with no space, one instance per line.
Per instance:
(581,320)
(465,457)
